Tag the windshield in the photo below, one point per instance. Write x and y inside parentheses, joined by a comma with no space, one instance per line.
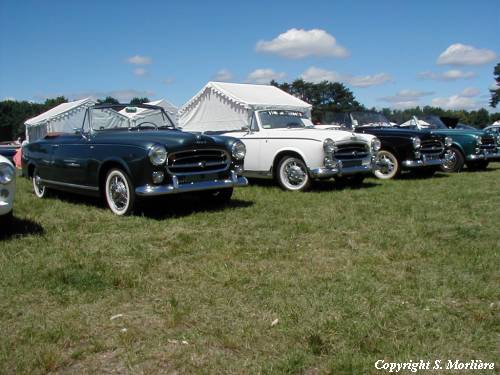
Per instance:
(283,120)
(369,119)
(128,117)
(430,122)
(340,119)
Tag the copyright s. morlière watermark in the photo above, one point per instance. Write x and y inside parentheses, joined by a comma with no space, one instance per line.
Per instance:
(437,364)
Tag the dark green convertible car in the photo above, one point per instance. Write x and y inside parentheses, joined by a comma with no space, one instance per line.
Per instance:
(124,152)
(475,148)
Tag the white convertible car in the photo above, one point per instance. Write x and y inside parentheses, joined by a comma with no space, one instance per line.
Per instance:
(281,142)
(7,188)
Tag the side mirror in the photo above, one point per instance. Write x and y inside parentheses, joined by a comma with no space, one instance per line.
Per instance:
(78,131)
(354,123)
(245,129)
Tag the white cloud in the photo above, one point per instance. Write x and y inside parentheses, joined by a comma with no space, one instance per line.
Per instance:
(455,102)
(314,74)
(140,72)
(462,54)
(168,81)
(11,98)
(140,60)
(223,75)
(369,80)
(470,92)
(406,98)
(449,75)
(263,76)
(300,43)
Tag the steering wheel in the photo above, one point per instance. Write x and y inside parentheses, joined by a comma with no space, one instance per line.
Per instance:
(153,125)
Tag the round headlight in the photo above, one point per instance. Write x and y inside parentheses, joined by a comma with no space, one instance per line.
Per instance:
(479,140)
(498,140)
(157,155)
(416,142)
(448,141)
(329,145)
(7,173)
(376,145)
(238,150)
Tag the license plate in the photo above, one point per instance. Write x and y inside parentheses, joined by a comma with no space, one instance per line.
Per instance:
(197,178)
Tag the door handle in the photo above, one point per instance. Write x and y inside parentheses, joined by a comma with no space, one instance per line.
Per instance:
(55,146)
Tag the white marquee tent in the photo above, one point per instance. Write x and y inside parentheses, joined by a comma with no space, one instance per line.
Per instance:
(65,117)
(222,106)
(412,122)
(62,118)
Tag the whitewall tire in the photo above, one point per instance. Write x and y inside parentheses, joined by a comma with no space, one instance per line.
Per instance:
(389,165)
(292,174)
(38,188)
(119,192)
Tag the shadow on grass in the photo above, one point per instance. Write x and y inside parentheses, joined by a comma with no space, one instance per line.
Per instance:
(17,227)
(416,176)
(159,208)
(317,186)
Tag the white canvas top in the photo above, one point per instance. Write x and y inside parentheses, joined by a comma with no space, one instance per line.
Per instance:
(251,96)
(59,111)
(411,122)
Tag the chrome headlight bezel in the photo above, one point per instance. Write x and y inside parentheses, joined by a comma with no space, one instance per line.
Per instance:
(376,144)
(498,140)
(157,155)
(448,141)
(478,139)
(7,173)
(238,150)
(417,143)
(329,146)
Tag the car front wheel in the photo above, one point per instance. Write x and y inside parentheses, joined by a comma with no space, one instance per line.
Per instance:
(120,194)
(292,174)
(38,188)
(387,165)
(455,162)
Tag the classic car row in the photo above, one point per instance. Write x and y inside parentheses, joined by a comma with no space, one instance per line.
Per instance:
(7,188)
(230,133)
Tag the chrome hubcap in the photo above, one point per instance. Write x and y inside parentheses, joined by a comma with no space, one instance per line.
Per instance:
(38,184)
(118,192)
(294,173)
(386,164)
(450,160)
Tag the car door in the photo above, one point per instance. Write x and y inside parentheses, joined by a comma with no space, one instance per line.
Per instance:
(70,160)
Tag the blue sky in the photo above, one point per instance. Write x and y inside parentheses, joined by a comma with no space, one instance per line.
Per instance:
(387,52)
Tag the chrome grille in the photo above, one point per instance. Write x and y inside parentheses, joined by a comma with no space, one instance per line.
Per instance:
(198,161)
(352,151)
(488,143)
(431,146)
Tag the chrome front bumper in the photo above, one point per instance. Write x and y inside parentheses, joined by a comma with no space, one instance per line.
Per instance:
(324,172)
(423,163)
(176,188)
(484,156)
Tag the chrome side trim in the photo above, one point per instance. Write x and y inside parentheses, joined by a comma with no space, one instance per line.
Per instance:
(258,174)
(74,186)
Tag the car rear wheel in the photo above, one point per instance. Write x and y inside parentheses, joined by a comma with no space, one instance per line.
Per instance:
(120,194)
(39,189)
(292,174)
(455,162)
(387,165)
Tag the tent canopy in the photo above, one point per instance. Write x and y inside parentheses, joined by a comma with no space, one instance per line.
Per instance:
(62,118)
(222,106)
(67,116)
(411,122)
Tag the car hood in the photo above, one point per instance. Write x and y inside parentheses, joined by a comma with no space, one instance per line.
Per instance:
(318,134)
(452,132)
(5,160)
(172,138)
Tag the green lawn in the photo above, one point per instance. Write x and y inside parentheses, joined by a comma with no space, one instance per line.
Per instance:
(395,270)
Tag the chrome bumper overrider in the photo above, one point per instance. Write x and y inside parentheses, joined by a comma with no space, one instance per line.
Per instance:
(175,187)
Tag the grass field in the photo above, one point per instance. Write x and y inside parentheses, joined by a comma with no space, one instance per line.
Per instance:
(395,270)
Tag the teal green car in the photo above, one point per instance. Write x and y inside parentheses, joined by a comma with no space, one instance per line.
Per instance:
(474,148)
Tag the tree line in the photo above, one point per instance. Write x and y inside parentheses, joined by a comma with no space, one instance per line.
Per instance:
(324,97)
